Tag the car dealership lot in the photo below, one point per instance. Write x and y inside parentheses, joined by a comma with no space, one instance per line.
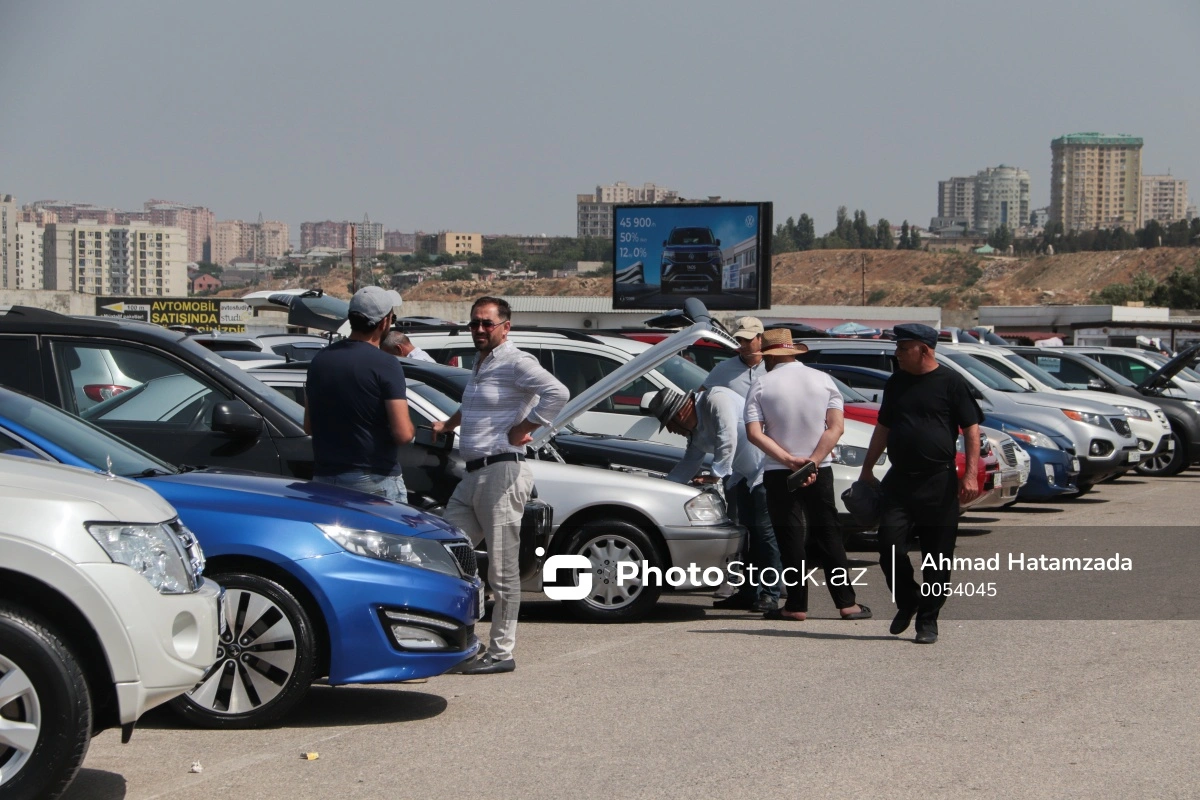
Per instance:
(703,703)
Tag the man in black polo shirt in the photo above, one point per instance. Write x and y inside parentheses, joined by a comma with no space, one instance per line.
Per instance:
(357,409)
(924,407)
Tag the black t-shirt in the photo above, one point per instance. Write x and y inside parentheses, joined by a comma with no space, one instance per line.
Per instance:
(923,414)
(348,382)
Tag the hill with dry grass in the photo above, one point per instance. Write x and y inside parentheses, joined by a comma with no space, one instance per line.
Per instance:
(953,281)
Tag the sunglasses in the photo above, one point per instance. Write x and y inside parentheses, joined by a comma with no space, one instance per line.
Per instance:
(486,324)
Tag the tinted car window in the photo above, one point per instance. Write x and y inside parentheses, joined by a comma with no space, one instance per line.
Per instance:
(19,365)
(985,374)
(1064,369)
(690,236)
(1034,370)
(1131,368)
(87,442)
(681,372)
(579,371)
(869,360)
(161,392)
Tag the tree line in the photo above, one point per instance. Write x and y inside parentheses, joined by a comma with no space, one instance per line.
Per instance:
(1180,289)
(850,233)
(1178,234)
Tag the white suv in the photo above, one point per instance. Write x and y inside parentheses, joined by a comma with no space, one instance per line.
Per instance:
(103,615)
(580,360)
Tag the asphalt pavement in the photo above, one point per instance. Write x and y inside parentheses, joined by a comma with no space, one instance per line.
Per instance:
(698,703)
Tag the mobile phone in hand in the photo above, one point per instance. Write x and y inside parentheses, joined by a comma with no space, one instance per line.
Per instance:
(796,479)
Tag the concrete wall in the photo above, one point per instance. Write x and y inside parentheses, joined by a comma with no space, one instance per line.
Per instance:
(62,302)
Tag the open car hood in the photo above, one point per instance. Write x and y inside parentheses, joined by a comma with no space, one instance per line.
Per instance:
(314,309)
(703,328)
(1169,370)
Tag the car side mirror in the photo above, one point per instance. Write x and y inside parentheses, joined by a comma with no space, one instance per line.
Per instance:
(1097,385)
(664,242)
(1023,383)
(435,441)
(718,243)
(236,418)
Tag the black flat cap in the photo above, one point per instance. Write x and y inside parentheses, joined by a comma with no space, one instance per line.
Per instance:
(916,332)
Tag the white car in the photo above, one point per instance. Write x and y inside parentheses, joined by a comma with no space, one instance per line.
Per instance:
(1012,474)
(103,616)
(1147,421)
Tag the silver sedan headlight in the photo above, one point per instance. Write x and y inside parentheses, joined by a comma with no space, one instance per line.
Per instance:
(411,550)
(706,508)
(152,551)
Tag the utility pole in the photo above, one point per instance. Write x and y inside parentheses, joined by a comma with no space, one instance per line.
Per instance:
(353,264)
(864,279)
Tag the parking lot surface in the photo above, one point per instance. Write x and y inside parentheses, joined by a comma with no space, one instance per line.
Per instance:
(700,703)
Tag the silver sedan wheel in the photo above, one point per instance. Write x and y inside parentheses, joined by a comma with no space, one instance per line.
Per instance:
(20,719)
(255,659)
(605,552)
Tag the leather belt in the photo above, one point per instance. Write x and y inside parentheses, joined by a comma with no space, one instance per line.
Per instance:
(480,463)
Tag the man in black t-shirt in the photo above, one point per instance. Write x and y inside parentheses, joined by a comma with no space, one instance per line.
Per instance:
(357,409)
(924,407)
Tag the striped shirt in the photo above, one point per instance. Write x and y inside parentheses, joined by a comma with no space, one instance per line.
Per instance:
(507,387)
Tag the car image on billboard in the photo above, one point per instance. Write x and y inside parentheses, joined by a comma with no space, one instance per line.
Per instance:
(717,252)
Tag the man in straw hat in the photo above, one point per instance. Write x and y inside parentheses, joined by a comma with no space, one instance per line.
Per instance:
(794,415)
(711,419)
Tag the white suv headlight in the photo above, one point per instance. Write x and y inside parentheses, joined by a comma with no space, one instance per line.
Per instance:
(411,550)
(851,456)
(706,508)
(1135,413)
(153,551)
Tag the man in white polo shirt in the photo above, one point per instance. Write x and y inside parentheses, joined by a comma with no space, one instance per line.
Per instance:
(794,415)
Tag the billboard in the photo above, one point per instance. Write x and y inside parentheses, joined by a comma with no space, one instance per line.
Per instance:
(717,252)
(206,314)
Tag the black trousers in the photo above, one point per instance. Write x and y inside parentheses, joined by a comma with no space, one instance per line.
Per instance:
(924,508)
(806,524)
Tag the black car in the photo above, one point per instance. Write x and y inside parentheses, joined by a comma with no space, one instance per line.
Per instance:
(160,391)
(691,262)
(1184,415)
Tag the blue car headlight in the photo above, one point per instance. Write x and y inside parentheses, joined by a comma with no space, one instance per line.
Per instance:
(410,550)
(1031,438)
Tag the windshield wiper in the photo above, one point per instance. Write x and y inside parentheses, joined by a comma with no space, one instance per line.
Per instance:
(151,472)
(188,468)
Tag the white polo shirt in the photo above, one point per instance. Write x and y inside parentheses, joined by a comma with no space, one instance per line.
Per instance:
(790,401)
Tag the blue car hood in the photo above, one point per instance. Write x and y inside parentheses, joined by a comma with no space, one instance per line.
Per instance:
(252,494)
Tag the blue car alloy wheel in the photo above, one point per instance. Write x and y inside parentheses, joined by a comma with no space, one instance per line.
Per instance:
(320,581)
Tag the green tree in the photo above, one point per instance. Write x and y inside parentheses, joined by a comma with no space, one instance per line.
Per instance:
(456,274)
(914,238)
(806,233)
(784,240)
(905,237)
(1000,238)
(1152,235)
(1181,289)
(864,233)
(209,268)
(883,235)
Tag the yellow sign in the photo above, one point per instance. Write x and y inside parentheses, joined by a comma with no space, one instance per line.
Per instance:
(202,313)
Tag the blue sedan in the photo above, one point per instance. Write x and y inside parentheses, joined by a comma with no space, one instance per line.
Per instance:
(320,581)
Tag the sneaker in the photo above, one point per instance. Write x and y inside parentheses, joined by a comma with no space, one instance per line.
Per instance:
(487,665)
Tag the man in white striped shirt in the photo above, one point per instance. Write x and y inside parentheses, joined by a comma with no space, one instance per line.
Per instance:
(509,396)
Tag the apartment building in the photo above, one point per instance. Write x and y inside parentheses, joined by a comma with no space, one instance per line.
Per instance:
(8,239)
(198,221)
(956,200)
(28,263)
(137,259)
(1095,181)
(1001,199)
(457,243)
(593,212)
(399,242)
(1164,198)
(326,234)
(260,242)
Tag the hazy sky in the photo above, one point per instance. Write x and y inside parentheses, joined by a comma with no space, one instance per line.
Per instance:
(492,116)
